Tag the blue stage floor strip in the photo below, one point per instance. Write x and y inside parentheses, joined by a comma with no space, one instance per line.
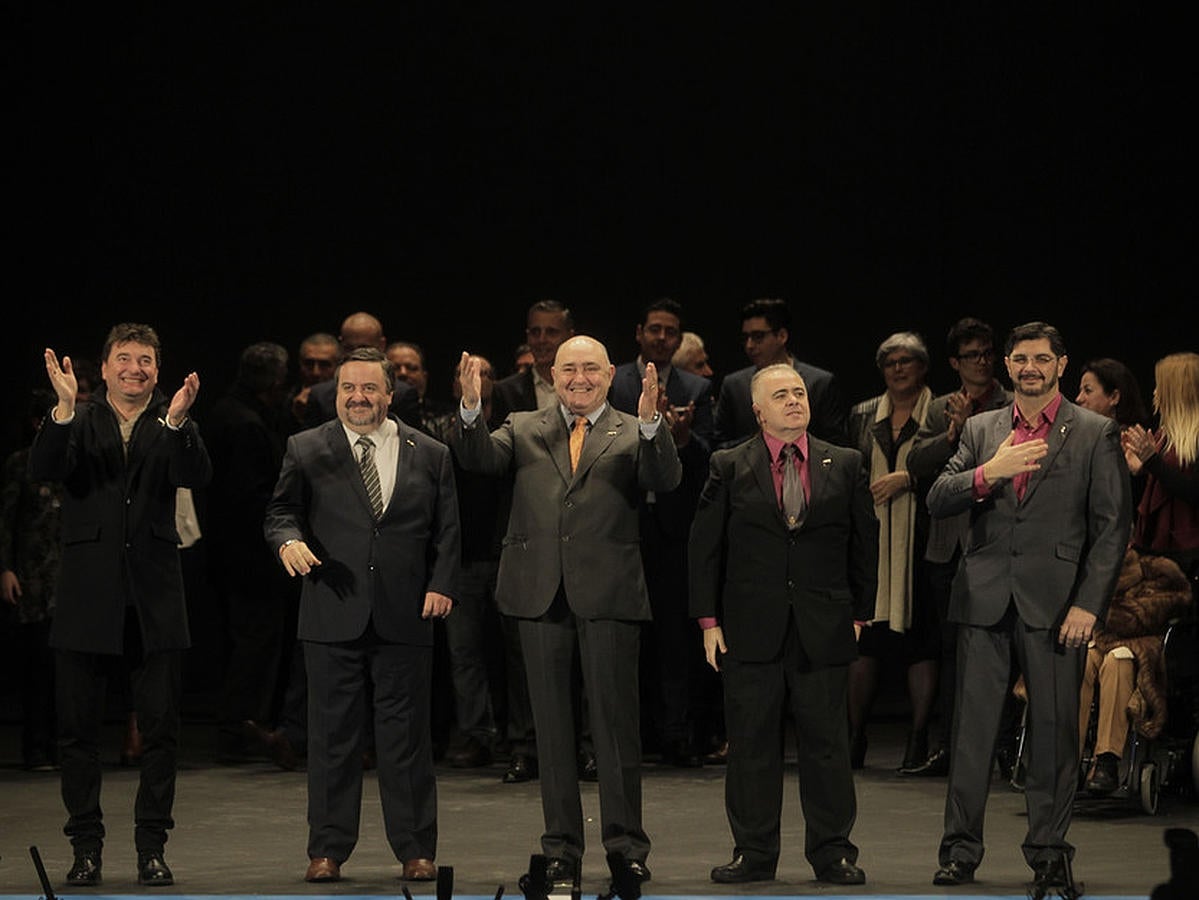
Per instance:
(954,894)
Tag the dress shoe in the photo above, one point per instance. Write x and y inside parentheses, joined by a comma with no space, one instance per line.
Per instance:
(472,754)
(323,868)
(1053,875)
(85,871)
(739,871)
(719,756)
(639,870)
(680,755)
(936,765)
(1105,777)
(857,750)
(419,870)
(559,870)
(153,871)
(954,872)
(587,767)
(917,749)
(522,768)
(841,872)
(276,746)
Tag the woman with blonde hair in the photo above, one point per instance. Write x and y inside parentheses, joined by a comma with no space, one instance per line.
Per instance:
(1167,520)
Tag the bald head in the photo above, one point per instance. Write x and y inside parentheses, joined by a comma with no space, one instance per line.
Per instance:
(582,374)
(361,329)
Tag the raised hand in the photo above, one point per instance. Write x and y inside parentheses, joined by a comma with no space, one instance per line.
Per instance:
(183,399)
(469,380)
(647,405)
(64,382)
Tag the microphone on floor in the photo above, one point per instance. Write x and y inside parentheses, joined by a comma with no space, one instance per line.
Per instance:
(445,882)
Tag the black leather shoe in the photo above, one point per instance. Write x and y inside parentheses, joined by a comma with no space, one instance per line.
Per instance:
(587,767)
(153,871)
(559,870)
(522,768)
(1106,776)
(473,754)
(936,765)
(639,870)
(85,871)
(842,872)
(954,872)
(738,871)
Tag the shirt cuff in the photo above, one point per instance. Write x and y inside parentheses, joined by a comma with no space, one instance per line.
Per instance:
(706,622)
(981,489)
(469,415)
(649,429)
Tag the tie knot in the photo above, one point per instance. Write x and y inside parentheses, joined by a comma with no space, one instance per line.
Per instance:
(581,422)
(790,452)
(365,443)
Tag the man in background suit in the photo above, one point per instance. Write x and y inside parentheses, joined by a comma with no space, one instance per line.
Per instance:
(766,330)
(570,572)
(670,654)
(373,530)
(970,346)
(1050,508)
(783,564)
(360,329)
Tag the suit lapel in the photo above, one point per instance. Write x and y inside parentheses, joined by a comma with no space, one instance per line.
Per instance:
(1056,439)
(819,464)
(599,439)
(404,464)
(763,468)
(554,435)
(347,463)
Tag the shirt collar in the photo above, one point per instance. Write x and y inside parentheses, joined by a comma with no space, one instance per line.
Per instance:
(1048,414)
(775,446)
(569,418)
(380,435)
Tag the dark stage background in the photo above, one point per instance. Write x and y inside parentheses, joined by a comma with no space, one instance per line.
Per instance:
(232,178)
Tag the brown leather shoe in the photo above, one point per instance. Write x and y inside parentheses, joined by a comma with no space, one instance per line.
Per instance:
(323,868)
(275,744)
(419,870)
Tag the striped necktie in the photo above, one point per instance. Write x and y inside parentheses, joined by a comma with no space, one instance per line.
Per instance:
(370,474)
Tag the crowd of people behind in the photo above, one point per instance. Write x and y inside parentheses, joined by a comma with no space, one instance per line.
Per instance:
(468,526)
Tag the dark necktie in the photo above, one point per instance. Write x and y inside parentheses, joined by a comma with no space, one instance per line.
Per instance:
(793,499)
(370,474)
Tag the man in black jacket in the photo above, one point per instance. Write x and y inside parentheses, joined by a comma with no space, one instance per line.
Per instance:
(121,458)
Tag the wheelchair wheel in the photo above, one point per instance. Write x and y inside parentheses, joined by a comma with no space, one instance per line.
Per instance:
(1150,788)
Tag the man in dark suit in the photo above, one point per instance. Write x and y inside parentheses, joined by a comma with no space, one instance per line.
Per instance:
(970,346)
(783,566)
(548,324)
(570,572)
(361,329)
(365,510)
(121,457)
(1050,508)
(670,653)
(766,329)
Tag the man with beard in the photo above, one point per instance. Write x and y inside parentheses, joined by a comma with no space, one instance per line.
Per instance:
(366,512)
(1050,506)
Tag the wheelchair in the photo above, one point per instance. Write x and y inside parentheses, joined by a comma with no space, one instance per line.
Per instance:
(1148,768)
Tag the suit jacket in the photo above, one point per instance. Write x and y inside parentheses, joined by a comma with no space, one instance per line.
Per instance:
(120,544)
(749,571)
(672,510)
(370,571)
(516,393)
(579,531)
(735,420)
(930,452)
(1062,544)
(322,404)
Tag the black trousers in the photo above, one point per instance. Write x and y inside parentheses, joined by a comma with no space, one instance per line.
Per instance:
(81,684)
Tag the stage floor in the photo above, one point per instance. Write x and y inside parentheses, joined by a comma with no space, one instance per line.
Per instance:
(241,831)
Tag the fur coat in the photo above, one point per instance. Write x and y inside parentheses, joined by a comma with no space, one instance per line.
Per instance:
(1150,591)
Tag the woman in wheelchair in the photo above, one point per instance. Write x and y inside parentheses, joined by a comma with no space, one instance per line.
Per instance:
(1126,664)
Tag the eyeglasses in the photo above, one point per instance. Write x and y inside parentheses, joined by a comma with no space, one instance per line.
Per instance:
(756,337)
(977,356)
(898,362)
(1041,359)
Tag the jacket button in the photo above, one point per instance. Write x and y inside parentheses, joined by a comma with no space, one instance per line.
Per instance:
(565,538)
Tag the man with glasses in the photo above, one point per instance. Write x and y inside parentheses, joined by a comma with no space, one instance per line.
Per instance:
(970,346)
(765,330)
(1048,494)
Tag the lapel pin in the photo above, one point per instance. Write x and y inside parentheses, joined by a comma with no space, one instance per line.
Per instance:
(409,442)
(826,462)
(611,434)
(1063,429)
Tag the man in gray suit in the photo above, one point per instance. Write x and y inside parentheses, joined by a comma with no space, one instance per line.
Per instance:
(365,511)
(1050,507)
(570,571)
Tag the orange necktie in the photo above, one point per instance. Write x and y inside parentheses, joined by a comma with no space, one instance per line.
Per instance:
(576,440)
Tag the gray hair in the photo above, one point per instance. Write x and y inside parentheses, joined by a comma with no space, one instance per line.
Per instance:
(902,340)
